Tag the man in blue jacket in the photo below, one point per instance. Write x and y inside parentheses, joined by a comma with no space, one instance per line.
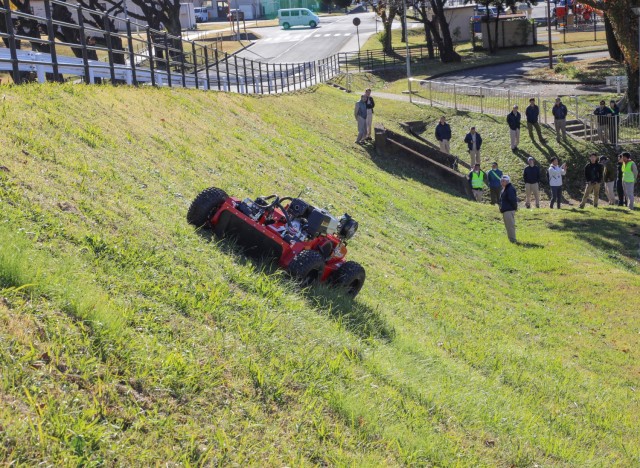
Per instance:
(513,119)
(495,187)
(560,112)
(474,142)
(531,178)
(443,134)
(533,112)
(508,207)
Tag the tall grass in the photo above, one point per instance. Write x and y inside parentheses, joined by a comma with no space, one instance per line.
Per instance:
(128,338)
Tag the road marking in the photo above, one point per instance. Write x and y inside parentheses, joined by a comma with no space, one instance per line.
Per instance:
(327,35)
(347,34)
(317,35)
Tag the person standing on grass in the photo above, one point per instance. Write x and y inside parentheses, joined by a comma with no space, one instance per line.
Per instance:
(593,177)
(629,177)
(555,180)
(476,180)
(533,113)
(443,134)
(508,207)
(560,111)
(531,177)
(603,118)
(608,178)
(370,105)
(622,200)
(474,142)
(360,113)
(614,127)
(513,119)
(494,176)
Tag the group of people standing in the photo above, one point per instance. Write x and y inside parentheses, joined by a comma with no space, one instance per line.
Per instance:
(619,182)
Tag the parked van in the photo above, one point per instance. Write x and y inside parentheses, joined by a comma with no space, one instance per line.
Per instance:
(297,17)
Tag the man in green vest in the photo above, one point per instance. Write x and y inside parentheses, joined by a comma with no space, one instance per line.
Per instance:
(476,180)
(629,177)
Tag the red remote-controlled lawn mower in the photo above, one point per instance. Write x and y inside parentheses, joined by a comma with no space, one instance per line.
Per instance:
(308,242)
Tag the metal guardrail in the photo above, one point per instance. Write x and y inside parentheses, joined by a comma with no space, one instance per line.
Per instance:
(613,129)
(481,99)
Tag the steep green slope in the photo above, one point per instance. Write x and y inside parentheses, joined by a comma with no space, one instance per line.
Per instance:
(127,338)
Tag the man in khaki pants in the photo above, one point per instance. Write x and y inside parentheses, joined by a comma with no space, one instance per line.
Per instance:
(508,207)
(593,176)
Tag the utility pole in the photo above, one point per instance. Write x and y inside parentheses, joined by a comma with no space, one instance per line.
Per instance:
(549,34)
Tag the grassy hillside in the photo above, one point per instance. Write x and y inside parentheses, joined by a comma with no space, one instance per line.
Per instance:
(127,338)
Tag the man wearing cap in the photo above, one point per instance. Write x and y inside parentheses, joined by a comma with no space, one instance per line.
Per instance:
(629,177)
(474,142)
(603,114)
(513,119)
(443,134)
(560,112)
(609,178)
(495,187)
(593,177)
(476,180)
(508,207)
(533,112)
(531,178)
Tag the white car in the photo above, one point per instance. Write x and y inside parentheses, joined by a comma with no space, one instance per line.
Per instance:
(525,8)
(202,14)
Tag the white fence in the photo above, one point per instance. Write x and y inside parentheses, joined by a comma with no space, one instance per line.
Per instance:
(481,99)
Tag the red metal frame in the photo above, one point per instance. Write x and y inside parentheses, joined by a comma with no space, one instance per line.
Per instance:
(289,250)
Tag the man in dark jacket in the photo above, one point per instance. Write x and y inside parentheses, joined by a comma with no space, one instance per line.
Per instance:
(532,182)
(533,113)
(474,143)
(622,199)
(370,105)
(560,112)
(443,134)
(593,177)
(603,119)
(508,207)
(614,127)
(494,177)
(513,119)
(608,178)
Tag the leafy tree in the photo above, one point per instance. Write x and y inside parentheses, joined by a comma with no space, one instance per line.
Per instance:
(624,28)
(387,10)
(441,33)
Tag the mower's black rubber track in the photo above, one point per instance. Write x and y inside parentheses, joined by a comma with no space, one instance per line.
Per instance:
(307,267)
(205,205)
(350,275)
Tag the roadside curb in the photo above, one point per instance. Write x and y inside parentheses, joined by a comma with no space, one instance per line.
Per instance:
(540,80)
(514,60)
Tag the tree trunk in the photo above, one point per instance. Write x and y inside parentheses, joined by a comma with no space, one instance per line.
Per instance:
(447,51)
(612,44)
(404,27)
(633,99)
(489,41)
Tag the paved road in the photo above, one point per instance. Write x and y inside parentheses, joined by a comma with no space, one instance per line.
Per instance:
(302,44)
(509,75)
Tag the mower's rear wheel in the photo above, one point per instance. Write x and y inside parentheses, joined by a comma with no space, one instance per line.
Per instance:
(307,267)
(205,205)
(351,276)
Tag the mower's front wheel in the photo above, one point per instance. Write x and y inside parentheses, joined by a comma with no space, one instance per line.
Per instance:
(351,276)
(205,205)
(307,267)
